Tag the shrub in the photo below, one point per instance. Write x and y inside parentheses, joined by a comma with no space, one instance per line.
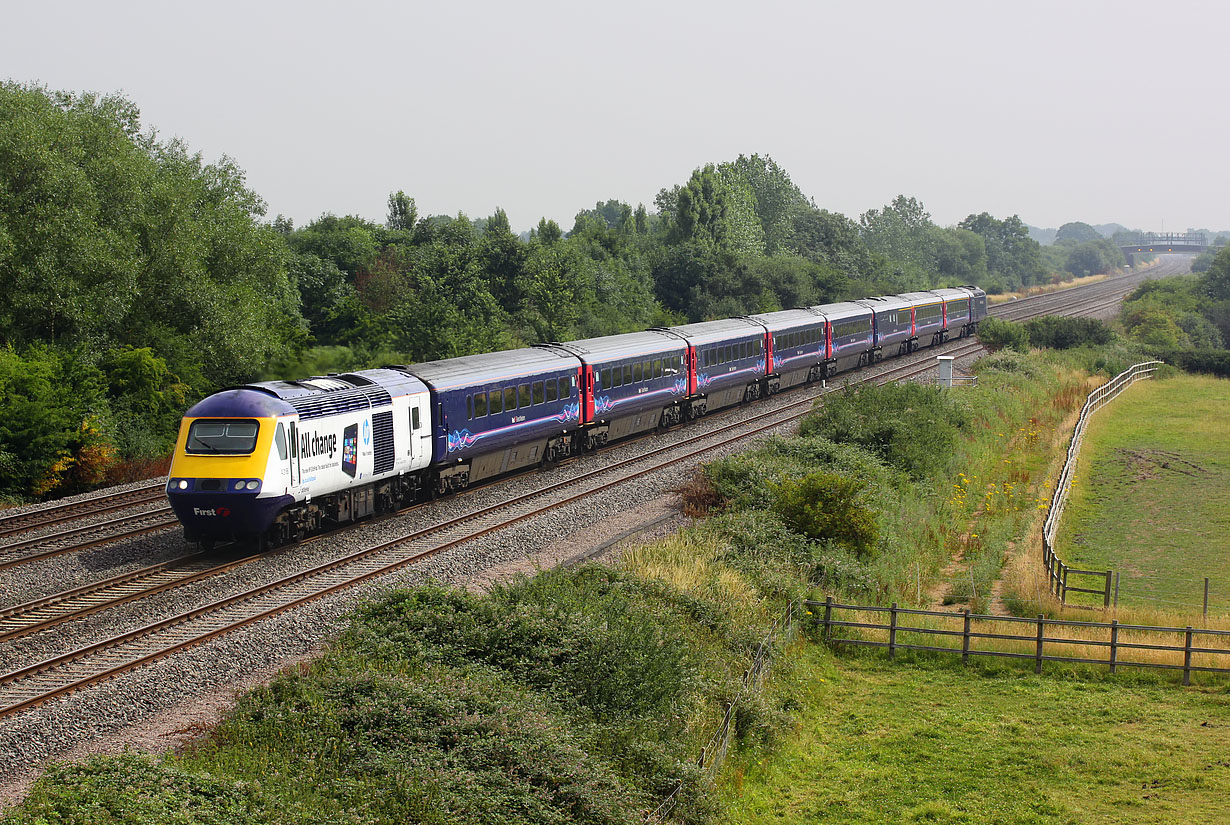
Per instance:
(1211,361)
(912,427)
(828,506)
(1061,332)
(996,334)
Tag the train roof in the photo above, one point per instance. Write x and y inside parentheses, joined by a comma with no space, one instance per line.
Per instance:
(627,345)
(240,402)
(846,309)
(921,298)
(323,395)
(786,319)
(490,367)
(883,303)
(709,332)
(949,294)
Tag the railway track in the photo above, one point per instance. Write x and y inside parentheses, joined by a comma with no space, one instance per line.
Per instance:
(36,683)
(23,538)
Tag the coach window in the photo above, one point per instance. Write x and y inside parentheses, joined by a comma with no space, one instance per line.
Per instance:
(510,399)
(480,404)
(637,375)
(627,373)
(525,395)
(552,392)
(537,390)
(606,378)
(495,401)
(414,418)
(470,407)
(657,368)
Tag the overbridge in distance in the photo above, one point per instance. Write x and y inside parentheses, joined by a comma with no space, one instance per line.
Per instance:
(1158,243)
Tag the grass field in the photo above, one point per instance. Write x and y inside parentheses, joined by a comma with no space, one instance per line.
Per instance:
(1152,495)
(927,742)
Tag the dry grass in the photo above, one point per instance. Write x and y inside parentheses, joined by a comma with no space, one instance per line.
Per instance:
(689,564)
(1043,289)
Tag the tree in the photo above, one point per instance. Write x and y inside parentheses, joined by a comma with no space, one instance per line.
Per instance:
(1077,232)
(776,200)
(403,213)
(1011,253)
(901,231)
(715,209)
(1215,283)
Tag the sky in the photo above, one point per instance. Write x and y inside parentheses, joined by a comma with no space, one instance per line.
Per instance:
(1055,111)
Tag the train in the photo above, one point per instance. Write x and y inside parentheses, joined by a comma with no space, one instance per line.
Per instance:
(273,462)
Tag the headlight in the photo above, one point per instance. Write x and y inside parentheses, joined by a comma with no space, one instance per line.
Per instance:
(182,484)
(252,485)
(238,485)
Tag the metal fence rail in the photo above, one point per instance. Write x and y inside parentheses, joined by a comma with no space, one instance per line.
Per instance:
(1057,571)
(1031,645)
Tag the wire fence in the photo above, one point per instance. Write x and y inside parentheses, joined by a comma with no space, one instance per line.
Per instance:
(713,754)
(1057,570)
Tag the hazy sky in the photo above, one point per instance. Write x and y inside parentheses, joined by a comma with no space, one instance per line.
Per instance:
(1057,111)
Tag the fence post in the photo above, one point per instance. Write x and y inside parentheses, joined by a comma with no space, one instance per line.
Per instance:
(1038,655)
(1114,644)
(965,640)
(1106,600)
(1206,598)
(828,615)
(1187,657)
(1063,586)
(1116,589)
(892,631)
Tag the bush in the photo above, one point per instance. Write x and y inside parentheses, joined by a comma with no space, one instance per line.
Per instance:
(996,334)
(912,427)
(1062,332)
(1210,361)
(828,506)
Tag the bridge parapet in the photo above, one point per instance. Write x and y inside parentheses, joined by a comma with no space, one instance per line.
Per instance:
(1157,239)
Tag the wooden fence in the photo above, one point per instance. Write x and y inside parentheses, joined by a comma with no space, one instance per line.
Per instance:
(1056,571)
(1032,643)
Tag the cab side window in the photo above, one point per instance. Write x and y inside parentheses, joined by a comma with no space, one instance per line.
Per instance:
(279,441)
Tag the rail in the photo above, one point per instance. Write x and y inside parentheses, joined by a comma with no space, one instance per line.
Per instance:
(1056,570)
(1031,645)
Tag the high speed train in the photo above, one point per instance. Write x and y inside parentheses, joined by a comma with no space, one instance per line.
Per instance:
(275,461)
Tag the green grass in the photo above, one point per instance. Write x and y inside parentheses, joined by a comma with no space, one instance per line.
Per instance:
(928,742)
(1152,494)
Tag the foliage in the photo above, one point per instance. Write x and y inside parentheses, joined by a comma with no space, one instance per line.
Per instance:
(829,506)
(1064,332)
(997,333)
(1178,313)
(910,426)
(1208,361)
(1077,232)
(49,402)
(1011,254)
(136,790)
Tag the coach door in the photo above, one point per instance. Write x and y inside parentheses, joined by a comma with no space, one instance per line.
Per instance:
(294,454)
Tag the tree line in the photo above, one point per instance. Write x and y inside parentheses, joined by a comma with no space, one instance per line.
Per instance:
(138,278)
